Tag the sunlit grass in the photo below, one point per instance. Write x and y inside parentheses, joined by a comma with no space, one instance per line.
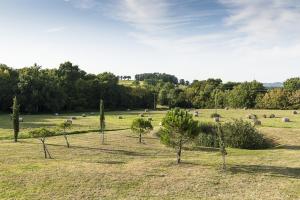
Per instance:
(124,169)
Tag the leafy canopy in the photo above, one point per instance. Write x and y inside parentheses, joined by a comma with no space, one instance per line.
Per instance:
(41,133)
(141,125)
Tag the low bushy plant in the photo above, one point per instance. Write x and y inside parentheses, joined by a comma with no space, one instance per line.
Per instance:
(207,135)
(243,135)
(237,134)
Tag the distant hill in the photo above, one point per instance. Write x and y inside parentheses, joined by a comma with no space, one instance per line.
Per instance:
(273,85)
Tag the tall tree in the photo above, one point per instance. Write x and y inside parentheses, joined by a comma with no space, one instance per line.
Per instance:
(222,145)
(15,118)
(102,120)
(178,128)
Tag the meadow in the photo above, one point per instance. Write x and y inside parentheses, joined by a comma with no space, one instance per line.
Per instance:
(124,169)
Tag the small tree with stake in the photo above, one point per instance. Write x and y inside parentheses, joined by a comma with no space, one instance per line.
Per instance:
(141,126)
(178,127)
(15,118)
(66,125)
(42,134)
(222,146)
(102,120)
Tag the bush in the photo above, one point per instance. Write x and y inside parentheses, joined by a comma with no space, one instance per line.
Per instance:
(215,115)
(243,135)
(207,135)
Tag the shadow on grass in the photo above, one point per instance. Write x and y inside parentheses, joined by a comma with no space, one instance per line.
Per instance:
(288,147)
(105,150)
(26,136)
(111,162)
(205,149)
(276,171)
(144,137)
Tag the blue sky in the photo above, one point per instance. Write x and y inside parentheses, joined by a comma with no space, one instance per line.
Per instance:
(235,40)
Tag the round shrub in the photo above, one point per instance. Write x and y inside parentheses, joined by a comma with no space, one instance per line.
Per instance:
(243,135)
(214,115)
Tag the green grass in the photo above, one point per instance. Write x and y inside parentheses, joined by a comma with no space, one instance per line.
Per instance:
(125,169)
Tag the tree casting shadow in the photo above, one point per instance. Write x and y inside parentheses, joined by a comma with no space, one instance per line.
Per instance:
(288,147)
(276,171)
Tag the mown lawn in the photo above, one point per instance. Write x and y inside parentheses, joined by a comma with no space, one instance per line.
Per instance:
(125,169)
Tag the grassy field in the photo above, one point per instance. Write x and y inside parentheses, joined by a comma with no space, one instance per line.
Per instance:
(125,169)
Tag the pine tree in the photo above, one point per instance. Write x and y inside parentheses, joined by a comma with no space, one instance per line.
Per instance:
(15,118)
(102,120)
(178,128)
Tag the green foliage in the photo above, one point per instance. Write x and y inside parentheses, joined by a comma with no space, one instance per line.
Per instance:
(208,136)
(178,125)
(41,133)
(274,99)
(292,84)
(178,128)
(202,93)
(69,88)
(236,134)
(245,94)
(141,126)
(8,86)
(155,77)
(15,118)
(243,135)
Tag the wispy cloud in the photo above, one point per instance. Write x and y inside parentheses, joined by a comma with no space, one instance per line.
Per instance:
(193,25)
(160,16)
(268,22)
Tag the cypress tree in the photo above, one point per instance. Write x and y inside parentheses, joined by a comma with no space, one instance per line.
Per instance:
(15,118)
(222,146)
(102,120)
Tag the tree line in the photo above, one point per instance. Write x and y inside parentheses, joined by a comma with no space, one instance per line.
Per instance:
(67,88)
(213,93)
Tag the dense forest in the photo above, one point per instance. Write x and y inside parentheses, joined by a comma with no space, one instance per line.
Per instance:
(69,88)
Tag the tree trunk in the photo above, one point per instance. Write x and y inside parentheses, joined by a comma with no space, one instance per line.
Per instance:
(140,138)
(179,152)
(48,152)
(102,137)
(44,148)
(67,142)
(224,163)
(16,138)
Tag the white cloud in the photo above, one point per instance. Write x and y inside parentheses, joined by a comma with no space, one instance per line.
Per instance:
(267,22)
(241,36)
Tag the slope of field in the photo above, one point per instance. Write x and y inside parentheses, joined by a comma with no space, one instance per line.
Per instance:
(124,169)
